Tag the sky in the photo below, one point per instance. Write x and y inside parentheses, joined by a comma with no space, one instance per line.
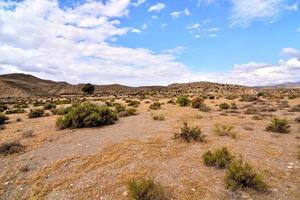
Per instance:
(152,42)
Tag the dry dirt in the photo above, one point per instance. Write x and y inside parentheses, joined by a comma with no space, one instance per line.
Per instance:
(96,163)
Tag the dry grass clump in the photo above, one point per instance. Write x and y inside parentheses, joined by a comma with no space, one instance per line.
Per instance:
(155,106)
(7,148)
(224,130)
(3,119)
(171,101)
(119,107)
(160,117)
(248,98)
(14,111)
(295,108)
(197,102)
(257,117)
(27,134)
(87,115)
(241,175)
(35,113)
(189,134)
(145,189)
(278,125)
(221,158)
(183,101)
(204,108)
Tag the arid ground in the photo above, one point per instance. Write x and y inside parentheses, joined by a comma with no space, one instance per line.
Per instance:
(96,163)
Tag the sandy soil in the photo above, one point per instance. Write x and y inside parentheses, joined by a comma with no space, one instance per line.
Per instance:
(96,163)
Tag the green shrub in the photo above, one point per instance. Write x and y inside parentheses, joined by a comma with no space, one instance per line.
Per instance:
(87,115)
(145,189)
(35,113)
(49,106)
(3,119)
(241,175)
(278,126)
(158,117)
(11,148)
(119,107)
(155,106)
(197,102)
(224,130)
(183,101)
(133,103)
(221,158)
(224,106)
(189,134)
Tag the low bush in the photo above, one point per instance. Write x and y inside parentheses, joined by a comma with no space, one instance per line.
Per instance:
(183,101)
(221,158)
(3,119)
(158,117)
(234,106)
(119,107)
(155,106)
(128,112)
(278,125)
(248,98)
(224,130)
(171,101)
(133,103)
(189,134)
(3,107)
(295,108)
(224,106)
(297,119)
(241,175)
(11,148)
(257,117)
(87,115)
(35,113)
(145,189)
(49,106)
(197,102)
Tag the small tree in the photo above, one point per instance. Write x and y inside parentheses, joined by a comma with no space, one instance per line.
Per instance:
(88,88)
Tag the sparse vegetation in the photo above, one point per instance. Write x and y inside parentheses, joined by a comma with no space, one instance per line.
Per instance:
(35,113)
(221,158)
(15,111)
(241,175)
(189,134)
(145,189)
(278,125)
(248,98)
(7,148)
(224,106)
(183,101)
(87,115)
(204,108)
(224,130)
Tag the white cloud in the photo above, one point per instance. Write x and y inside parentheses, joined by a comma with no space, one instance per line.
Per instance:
(205,2)
(202,30)
(194,26)
(245,12)
(291,52)
(177,14)
(138,3)
(157,7)
(292,7)
(163,25)
(176,50)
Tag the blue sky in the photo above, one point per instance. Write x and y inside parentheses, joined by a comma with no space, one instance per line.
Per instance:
(150,42)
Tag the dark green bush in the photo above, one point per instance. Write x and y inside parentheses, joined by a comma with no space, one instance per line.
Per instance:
(197,102)
(183,101)
(87,115)
(224,106)
(145,189)
(221,158)
(133,103)
(11,148)
(155,106)
(35,113)
(241,175)
(49,106)
(278,126)
(3,119)
(88,88)
(189,134)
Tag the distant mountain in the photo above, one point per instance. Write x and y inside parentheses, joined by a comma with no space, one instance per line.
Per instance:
(25,85)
